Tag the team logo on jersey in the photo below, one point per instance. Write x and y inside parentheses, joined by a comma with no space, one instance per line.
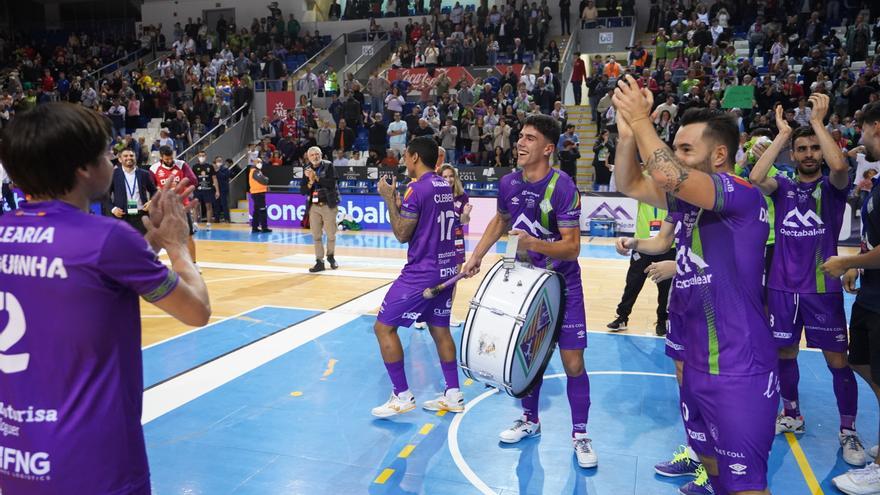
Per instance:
(795,219)
(690,269)
(545,206)
(532,227)
(408,193)
(514,200)
(738,469)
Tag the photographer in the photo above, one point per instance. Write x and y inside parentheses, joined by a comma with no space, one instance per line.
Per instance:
(319,186)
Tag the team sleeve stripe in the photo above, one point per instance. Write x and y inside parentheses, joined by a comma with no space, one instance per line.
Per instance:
(165,288)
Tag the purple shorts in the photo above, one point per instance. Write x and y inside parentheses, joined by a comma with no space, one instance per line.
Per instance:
(404,305)
(573,334)
(732,418)
(821,315)
(674,341)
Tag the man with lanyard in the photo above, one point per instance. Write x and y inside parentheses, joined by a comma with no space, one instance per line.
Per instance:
(541,206)
(648,222)
(800,297)
(130,192)
(864,326)
(72,322)
(729,378)
(424,220)
(318,185)
(167,171)
(207,190)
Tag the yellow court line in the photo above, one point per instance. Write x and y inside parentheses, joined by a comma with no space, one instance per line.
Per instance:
(383,476)
(441,413)
(426,429)
(806,470)
(468,382)
(406,451)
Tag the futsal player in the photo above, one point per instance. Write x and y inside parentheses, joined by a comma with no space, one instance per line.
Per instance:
(424,220)
(541,206)
(864,326)
(729,382)
(800,296)
(71,379)
(169,171)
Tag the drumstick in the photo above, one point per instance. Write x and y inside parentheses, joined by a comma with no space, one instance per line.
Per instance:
(433,291)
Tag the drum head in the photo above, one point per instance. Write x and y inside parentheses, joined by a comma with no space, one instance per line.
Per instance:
(538,334)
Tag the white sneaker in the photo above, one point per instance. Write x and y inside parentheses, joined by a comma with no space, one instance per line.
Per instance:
(521,428)
(583,449)
(853,451)
(865,481)
(787,424)
(872,452)
(454,323)
(397,404)
(208,226)
(420,325)
(452,401)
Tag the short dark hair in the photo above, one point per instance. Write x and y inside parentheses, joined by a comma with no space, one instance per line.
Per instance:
(166,151)
(78,136)
(720,127)
(546,125)
(426,148)
(802,131)
(761,131)
(871,114)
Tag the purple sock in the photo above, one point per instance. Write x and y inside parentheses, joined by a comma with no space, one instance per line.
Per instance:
(398,376)
(450,373)
(530,402)
(789,376)
(847,393)
(578,388)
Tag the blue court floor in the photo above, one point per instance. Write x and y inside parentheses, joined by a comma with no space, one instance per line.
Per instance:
(301,423)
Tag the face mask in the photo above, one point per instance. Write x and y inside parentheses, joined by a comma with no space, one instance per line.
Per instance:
(218,164)
(259,166)
(201,159)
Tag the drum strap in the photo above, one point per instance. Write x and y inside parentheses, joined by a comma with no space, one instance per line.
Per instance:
(546,205)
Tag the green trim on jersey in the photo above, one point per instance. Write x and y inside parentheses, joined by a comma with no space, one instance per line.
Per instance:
(548,197)
(708,307)
(820,275)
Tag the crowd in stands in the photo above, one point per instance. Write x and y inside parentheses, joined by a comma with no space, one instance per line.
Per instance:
(792,53)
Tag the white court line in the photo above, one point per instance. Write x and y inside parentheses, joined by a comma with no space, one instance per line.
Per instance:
(191,385)
(229,279)
(452,433)
(295,271)
(198,328)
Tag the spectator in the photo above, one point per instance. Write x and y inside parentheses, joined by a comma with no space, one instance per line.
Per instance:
(377,134)
(344,138)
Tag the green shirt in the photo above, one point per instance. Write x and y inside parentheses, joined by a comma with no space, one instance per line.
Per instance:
(648,221)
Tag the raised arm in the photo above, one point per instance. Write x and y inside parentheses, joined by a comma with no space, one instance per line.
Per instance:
(758,176)
(403,227)
(628,174)
(839,175)
(670,175)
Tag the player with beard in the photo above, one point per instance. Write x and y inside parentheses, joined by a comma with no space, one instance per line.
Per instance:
(800,296)
(864,326)
(542,205)
(168,169)
(729,384)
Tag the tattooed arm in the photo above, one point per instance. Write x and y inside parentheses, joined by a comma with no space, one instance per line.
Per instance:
(628,174)
(403,227)
(668,172)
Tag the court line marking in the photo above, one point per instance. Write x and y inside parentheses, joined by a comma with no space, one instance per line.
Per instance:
(294,271)
(383,476)
(452,434)
(229,279)
(804,465)
(173,393)
(173,337)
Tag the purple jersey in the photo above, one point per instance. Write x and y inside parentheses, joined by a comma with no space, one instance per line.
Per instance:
(430,258)
(809,216)
(70,352)
(541,209)
(719,266)
(458,207)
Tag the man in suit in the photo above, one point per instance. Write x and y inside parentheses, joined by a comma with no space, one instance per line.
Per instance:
(344,138)
(130,192)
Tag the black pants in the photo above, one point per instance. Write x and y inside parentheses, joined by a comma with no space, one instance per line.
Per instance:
(260,218)
(577,88)
(635,280)
(221,211)
(566,24)
(8,197)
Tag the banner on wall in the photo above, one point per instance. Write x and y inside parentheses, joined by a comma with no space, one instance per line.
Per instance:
(287,210)
(278,102)
(621,209)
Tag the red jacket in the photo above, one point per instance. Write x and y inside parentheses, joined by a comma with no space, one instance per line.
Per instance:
(580,71)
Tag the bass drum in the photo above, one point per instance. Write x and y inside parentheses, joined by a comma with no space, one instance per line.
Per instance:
(512,326)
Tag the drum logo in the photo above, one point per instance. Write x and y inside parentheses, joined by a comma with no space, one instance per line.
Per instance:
(486,347)
(538,327)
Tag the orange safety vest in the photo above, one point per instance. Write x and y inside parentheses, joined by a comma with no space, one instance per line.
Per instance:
(612,69)
(255,186)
